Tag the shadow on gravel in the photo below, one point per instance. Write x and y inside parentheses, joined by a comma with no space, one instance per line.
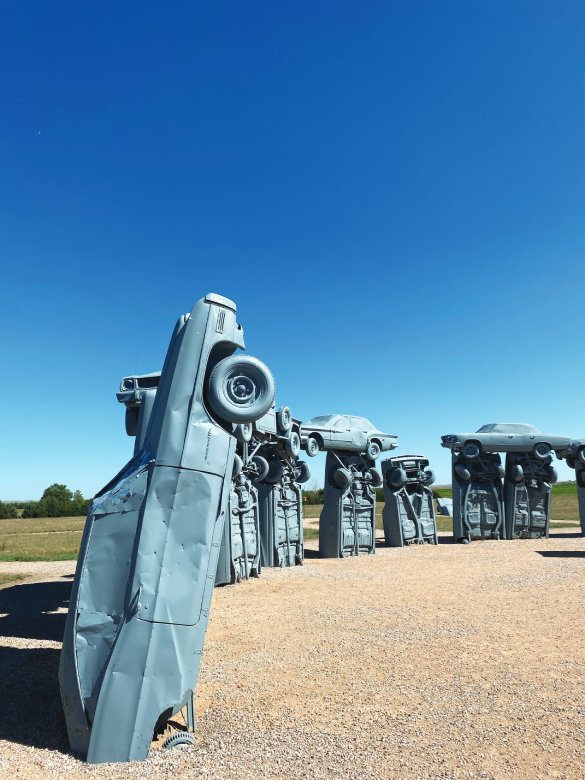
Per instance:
(30,710)
(311,553)
(562,553)
(576,535)
(30,703)
(27,610)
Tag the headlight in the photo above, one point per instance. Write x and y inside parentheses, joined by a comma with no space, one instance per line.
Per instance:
(450,439)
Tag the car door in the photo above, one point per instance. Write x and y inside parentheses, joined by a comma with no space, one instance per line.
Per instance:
(344,433)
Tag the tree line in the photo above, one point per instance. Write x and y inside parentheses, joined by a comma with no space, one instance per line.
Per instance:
(57,501)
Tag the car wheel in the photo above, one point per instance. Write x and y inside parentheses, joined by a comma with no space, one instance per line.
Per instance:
(501,471)
(275,472)
(241,389)
(396,478)
(516,473)
(260,467)
(284,419)
(303,472)
(342,478)
(462,472)
(373,450)
(541,450)
(311,447)
(238,466)
(581,455)
(428,477)
(552,475)
(243,432)
(376,477)
(471,450)
(131,420)
(292,446)
(571,462)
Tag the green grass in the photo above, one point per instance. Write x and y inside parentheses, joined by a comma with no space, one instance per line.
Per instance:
(42,539)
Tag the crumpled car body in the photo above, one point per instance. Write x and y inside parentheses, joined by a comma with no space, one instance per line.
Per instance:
(145,574)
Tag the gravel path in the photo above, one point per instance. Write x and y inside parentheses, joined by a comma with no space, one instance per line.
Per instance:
(419,664)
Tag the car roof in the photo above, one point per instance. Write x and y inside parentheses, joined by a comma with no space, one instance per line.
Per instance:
(508,428)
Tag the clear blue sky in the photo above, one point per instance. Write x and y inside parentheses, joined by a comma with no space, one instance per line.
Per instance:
(392,192)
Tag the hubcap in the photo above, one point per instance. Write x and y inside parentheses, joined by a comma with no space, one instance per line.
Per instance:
(241,389)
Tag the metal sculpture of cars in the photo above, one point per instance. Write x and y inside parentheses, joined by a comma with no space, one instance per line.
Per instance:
(527,495)
(574,455)
(409,512)
(505,437)
(137,393)
(478,498)
(142,589)
(345,432)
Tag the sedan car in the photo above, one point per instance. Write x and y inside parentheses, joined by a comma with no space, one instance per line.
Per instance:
(505,437)
(345,432)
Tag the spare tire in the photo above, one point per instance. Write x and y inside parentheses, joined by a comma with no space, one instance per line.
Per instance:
(342,478)
(240,389)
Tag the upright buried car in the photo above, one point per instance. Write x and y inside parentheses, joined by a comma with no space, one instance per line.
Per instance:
(145,573)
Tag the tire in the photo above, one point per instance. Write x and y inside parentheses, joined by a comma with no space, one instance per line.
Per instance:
(131,419)
(342,478)
(429,477)
(311,447)
(396,478)
(552,475)
(501,471)
(462,472)
(240,389)
(179,738)
(516,473)
(581,455)
(275,472)
(292,446)
(304,472)
(244,431)
(541,450)
(284,419)
(260,467)
(377,480)
(373,450)
(471,450)
(238,466)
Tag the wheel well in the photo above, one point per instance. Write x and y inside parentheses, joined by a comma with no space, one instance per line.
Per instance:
(377,441)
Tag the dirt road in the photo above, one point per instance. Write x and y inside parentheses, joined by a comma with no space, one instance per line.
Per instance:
(446,662)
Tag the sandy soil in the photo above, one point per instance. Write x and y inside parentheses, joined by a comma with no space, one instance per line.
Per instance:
(445,662)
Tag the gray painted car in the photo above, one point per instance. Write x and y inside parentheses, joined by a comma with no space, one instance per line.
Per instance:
(505,437)
(345,432)
(142,590)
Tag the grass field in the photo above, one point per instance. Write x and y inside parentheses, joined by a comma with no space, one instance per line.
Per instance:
(58,538)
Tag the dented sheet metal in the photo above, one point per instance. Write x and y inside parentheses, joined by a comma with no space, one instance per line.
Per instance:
(146,569)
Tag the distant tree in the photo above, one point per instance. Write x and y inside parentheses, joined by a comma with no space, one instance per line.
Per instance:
(7,511)
(57,501)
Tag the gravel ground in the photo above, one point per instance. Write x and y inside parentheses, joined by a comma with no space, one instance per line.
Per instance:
(424,663)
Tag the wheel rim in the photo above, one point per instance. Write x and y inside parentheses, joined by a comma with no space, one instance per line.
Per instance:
(241,389)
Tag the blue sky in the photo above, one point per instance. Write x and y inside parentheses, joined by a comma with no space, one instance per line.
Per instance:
(392,192)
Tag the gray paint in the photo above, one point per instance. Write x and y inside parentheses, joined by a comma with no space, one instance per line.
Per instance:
(478,498)
(137,393)
(281,520)
(445,506)
(347,524)
(239,556)
(527,495)
(506,437)
(574,454)
(409,512)
(146,568)
(347,433)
